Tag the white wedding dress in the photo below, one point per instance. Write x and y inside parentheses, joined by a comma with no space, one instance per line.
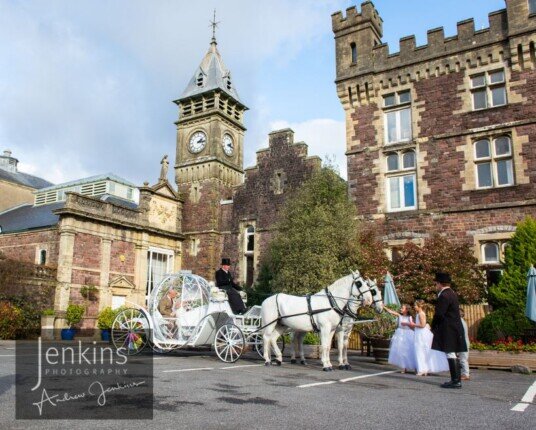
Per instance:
(428,360)
(402,348)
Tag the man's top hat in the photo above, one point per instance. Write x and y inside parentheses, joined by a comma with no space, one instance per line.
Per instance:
(225,261)
(443,278)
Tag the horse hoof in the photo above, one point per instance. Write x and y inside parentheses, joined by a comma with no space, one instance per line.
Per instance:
(293,361)
(348,367)
(326,369)
(277,362)
(341,367)
(331,369)
(303,362)
(267,363)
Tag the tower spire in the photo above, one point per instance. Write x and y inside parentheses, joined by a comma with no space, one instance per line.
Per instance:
(214,25)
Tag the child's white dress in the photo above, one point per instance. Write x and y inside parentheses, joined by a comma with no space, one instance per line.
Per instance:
(428,360)
(402,349)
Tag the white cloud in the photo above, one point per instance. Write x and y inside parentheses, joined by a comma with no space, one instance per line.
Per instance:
(87,90)
(325,138)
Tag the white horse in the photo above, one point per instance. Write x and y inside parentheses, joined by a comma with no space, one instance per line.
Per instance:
(319,311)
(347,324)
(343,330)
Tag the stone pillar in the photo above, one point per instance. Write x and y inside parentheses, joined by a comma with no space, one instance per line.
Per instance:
(65,270)
(140,273)
(105,298)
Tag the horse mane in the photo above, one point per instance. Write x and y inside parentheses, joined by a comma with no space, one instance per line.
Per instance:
(341,282)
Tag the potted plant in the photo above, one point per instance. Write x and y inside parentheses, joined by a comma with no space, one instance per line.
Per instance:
(379,330)
(73,316)
(47,323)
(105,321)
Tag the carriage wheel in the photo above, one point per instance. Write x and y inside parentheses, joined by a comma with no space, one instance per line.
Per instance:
(130,331)
(163,347)
(259,343)
(229,343)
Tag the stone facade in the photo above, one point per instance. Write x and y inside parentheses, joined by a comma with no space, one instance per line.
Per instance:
(441,103)
(104,245)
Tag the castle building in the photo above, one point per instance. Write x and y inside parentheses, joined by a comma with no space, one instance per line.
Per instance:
(229,211)
(440,137)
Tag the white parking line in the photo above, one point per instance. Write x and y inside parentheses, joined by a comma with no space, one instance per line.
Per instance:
(366,376)
(345,379)
(526,400)
(187,370)
(242,365)
(11,355)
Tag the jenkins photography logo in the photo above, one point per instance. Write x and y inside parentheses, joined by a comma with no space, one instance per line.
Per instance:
(81,379)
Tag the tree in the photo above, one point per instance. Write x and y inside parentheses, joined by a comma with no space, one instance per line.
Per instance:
(263,286)
(318,239)
(414,273)
(519,255)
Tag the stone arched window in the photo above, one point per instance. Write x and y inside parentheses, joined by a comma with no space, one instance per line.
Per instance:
(490,253)
(249,255)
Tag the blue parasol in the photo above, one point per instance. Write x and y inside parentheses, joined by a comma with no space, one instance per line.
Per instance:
(530,310)
(389,293)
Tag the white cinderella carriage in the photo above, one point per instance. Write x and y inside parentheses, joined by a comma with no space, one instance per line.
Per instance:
(201,317)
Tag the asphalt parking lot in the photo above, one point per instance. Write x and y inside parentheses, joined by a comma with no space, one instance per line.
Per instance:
(196,390)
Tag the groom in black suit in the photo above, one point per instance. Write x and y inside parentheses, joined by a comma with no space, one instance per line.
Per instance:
(225,281)
(447,328)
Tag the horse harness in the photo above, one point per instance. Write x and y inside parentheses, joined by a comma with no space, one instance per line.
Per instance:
(345,311)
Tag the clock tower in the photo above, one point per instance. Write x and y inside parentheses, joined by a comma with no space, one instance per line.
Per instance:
(209,159)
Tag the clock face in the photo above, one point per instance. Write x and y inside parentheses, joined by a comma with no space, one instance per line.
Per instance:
(227,144)
(197,142)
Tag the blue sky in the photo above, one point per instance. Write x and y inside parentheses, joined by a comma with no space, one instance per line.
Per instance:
(87,90)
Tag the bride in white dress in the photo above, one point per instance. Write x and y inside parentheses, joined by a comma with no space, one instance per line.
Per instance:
(402,349)
(427,360)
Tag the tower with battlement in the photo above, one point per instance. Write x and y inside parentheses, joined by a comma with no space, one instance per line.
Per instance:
(440,136)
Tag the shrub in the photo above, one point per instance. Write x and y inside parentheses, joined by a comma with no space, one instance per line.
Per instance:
(74,314)
(48,313)
(501,324)
(519,255)
(414,272)
(311,339)
(11,320)
(106,318)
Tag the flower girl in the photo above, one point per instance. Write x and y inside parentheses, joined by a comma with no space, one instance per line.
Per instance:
(401,351)
(427,360)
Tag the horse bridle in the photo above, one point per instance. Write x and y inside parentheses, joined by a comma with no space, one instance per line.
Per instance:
(374,291)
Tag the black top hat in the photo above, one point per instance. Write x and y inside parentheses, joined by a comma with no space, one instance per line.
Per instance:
(443,278)
(225,261)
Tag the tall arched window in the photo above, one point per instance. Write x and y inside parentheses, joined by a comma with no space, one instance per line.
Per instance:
(43,257)
(353,48)
(249,255)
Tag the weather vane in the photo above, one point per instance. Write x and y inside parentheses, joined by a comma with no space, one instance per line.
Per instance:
(214,25)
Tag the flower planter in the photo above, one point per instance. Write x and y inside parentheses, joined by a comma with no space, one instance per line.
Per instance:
(502,359)
(380,350)
(47,327)
(67,333)
(105,335)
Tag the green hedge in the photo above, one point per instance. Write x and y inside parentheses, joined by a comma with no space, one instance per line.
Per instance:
(501,324)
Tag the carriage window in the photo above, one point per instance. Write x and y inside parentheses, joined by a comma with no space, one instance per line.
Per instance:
(159,262)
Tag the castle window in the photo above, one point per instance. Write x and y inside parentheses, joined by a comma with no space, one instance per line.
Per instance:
(200,80)
(488,90)
(490,253)
(398,120)
(532,6)
(401,181)
(42,257)
(159,262)
(250,239)
(354,52)
(229,85)
(493,159)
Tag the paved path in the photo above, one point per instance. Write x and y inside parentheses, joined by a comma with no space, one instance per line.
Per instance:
(197,391)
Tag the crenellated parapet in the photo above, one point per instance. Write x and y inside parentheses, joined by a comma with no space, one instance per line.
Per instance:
(368,15)
(466,38)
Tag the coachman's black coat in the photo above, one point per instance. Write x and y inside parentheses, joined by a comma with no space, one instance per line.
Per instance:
(447,324)
(224,280)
